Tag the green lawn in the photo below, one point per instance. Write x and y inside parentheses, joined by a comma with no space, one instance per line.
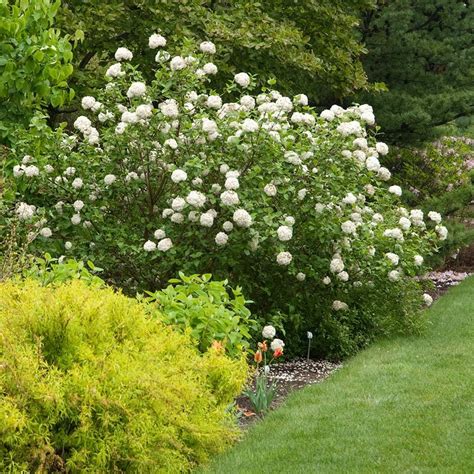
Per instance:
(404,405)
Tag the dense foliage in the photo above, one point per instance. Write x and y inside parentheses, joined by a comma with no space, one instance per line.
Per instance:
(264,192)
(89,383)
(208,309)
(35,62)
(312,44)
(424,52)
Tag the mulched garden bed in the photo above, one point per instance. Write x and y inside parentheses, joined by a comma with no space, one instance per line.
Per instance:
(289,376)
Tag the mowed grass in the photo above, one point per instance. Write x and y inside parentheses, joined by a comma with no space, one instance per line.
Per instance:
(401,406)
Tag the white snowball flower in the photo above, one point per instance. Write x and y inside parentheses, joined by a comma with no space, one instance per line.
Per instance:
(350,128)
(164,245)
(77,183)
(178,204)
(76,219)
(31,171)
(302,193)
(404,223)
(144,111)
(434,216)
(159,234)
(284,233)
(395,233)
(48,169)
(209,69)
(231,183)
(227,226)
(248,102)
(300,276)
(25,211)
(230,198)
(214,102)
(114,71)
(208,47)
(442,232)
(209,126)
(136,89)
(427,299)
(78,205)
(327,115)
(418,259)
(373,164)
(177,63)
(350,199)
(284,258)
(169,108)
(179,175)
(177,218)
(381,148)
(120,128)
(109,179)
(336,265)
(68,245)
(156,41)
(242,218)
(270,190)
(221,238)
(268,332)
(123,54)
(343,276)
(277,344)
(18,171)
(393,257)
(46,232)
(394,275)
(196,199)
(242,79)
(301,99)
(348,227)
(290,220)
(171,143)
(339,306)
(326,280)
(149,246)
(206,219)
(249,125)
(416,217)
(83,124)
(397,190)
(87,102)
(384,174)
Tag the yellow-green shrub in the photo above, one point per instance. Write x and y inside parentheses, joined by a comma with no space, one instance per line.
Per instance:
(88,383)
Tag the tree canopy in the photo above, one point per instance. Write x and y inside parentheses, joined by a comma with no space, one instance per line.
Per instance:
(423,50)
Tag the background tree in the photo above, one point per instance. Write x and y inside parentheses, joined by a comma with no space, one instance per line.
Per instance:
(310,45)
(35,62)
(424,51)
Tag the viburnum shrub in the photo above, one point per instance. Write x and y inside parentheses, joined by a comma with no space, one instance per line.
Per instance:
(293,206)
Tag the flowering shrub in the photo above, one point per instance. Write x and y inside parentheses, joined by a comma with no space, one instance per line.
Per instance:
(171,176)
(91,384)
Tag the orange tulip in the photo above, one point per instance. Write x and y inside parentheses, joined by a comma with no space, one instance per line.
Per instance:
(258,357)
(217,346)
(263,346)
(278,352)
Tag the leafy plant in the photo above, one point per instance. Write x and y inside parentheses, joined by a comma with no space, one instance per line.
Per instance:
(90,383)
(35,62)
(208,309)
